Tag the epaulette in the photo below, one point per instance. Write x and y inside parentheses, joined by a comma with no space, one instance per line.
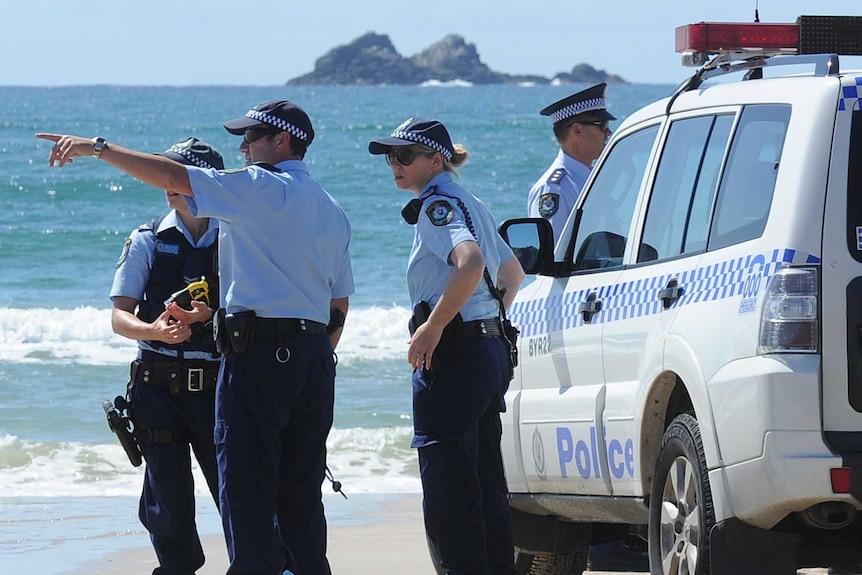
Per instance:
(150,226)
(556,176)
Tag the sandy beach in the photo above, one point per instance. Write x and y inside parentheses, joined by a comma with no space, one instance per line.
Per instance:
(387,538)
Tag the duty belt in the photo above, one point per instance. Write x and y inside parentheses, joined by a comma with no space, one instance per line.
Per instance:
(273,327)
(483,328)
(196,377)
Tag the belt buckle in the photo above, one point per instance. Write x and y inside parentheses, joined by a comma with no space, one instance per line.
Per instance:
(195,381)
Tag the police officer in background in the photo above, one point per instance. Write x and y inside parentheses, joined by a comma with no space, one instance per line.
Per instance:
(286,277)
(460,357)
(581,128)
(172,384)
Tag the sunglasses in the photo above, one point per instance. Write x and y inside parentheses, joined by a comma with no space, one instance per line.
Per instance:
(404,156)
(600,124)
(254,134)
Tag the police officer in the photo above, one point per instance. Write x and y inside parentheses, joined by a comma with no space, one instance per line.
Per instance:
(581,128)
(285,277)
(457,350)
(173,379)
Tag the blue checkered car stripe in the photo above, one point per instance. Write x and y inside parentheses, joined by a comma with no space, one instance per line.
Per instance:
(850,95)
(634,299)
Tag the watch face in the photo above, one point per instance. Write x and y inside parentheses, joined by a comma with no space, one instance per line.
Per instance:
(98,146)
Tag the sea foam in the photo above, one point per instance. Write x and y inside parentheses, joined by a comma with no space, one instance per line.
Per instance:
(83,335)
(377,460)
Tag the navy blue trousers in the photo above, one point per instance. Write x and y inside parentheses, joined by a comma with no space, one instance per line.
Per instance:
(167,506)
(457,428)
(272,421)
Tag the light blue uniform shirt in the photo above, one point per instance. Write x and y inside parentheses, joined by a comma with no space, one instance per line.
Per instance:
(553,196)
(133,269)
(284,242)
(442,226)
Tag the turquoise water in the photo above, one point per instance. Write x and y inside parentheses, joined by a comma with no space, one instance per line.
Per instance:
(62,230)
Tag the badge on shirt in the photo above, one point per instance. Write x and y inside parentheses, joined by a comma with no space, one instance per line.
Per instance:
(125,254)
(440,213)
(549,204)
(164,248)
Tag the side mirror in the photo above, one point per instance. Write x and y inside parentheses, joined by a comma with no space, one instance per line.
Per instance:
(532,241)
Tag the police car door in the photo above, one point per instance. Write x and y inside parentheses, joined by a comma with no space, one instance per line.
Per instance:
(673,230)
(563,375)
(841,303)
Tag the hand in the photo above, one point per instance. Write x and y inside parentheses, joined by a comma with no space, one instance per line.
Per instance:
(66,147)
(422,346)
(200,312)
(169,330)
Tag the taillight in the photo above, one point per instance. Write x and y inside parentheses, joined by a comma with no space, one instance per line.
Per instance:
(790,318)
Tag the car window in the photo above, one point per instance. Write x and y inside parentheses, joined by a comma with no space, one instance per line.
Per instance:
(854,188)
(677,217)
(697,229)
(607,210)
(745,193)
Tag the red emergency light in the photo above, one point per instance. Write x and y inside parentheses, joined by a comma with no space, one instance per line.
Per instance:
(716,37)
(809,35)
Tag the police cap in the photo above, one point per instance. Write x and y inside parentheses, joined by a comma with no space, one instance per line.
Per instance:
(282,114)
(424,131)
(590,101)
(193,152)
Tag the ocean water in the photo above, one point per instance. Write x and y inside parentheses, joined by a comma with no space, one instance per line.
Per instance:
(64,480)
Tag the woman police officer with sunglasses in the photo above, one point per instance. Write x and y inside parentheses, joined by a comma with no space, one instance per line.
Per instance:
(458,351)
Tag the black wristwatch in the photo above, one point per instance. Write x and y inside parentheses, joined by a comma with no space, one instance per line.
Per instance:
(99,144)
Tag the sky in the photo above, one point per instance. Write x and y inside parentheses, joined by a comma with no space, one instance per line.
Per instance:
(267,42)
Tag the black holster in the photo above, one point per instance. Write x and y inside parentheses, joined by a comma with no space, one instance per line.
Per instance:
(511,333)
(234,332)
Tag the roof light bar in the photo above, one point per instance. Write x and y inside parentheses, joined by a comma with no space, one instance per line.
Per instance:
(809,35)
(717,37)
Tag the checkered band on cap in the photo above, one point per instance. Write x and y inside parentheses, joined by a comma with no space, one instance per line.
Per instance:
(190,156)
(578,108)
(278,123)
(420,139)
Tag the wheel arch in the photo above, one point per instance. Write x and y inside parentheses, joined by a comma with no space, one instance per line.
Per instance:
(669,395)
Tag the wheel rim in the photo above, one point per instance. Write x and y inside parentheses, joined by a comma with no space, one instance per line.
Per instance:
(680,519)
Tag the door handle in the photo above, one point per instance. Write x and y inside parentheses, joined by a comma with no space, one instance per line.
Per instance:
(591,307)
(671,293)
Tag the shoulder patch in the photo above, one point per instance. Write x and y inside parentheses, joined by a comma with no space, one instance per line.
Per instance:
(556,176)
(440,212)
(125,253)
(549,204)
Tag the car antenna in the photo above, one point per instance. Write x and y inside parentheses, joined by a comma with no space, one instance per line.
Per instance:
(756,13)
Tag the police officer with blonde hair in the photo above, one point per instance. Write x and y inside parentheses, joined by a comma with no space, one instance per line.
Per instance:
(286,277)
(581,129)
(461,276)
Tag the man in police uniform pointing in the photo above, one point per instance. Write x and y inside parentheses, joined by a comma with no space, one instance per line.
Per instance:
(581,128)
(286,277)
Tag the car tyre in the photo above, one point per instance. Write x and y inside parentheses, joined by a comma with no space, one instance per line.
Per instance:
(534,563)
(680,511)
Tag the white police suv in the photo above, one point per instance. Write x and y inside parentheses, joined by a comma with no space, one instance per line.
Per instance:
(691,349)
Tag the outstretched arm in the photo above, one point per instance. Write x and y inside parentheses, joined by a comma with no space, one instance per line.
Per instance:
(157,171)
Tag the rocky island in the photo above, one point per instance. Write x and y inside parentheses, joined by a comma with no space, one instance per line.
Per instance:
(372,59)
